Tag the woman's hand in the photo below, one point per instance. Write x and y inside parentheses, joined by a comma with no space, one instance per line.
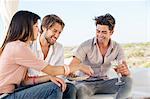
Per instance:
(58,81)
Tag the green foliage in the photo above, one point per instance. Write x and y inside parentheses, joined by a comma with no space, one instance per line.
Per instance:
(147,64)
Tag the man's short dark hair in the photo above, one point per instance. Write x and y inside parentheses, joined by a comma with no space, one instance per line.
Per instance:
(106,19)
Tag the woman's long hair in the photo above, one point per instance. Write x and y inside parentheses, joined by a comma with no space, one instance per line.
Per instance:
(21,27)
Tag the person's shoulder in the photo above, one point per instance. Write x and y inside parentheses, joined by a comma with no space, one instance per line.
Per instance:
(16,43)
(116,44)
(87,42)
(58,45)
(15,46)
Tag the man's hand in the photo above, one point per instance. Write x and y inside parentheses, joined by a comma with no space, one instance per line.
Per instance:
(76,63)
(58,81)
(123,69)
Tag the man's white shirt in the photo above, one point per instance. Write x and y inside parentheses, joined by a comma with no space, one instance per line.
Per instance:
(55,56)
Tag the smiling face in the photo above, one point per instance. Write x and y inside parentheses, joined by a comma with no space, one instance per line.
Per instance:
(104,28)
(103,34)
(52,34)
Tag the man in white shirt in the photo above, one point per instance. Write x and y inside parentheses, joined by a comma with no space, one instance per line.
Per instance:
(54,55)
(46,48)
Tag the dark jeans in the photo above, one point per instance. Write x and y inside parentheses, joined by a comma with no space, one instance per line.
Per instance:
(70,92)
(47,90)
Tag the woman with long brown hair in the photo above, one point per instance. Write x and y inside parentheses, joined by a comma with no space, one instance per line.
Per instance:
(16,57)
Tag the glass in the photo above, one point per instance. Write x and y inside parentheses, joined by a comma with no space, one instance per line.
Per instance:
(114,64)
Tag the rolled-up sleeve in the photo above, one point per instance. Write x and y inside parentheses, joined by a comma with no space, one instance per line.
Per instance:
(80,53)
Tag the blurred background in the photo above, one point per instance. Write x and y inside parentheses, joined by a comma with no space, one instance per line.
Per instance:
(132,28)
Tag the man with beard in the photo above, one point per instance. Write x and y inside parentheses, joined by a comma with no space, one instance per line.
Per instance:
(46,48)
(98,53)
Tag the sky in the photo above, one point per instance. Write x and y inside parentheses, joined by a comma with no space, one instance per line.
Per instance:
(132,18)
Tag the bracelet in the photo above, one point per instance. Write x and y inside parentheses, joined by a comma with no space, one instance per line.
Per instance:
(34,80)
(67,70)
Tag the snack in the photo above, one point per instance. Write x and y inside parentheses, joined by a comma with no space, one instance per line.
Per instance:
(74,77)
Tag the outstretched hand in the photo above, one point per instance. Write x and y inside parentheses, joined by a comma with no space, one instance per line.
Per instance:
(86,69)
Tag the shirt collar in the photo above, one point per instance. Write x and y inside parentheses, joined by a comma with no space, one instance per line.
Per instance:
(95,41)
(111,43)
